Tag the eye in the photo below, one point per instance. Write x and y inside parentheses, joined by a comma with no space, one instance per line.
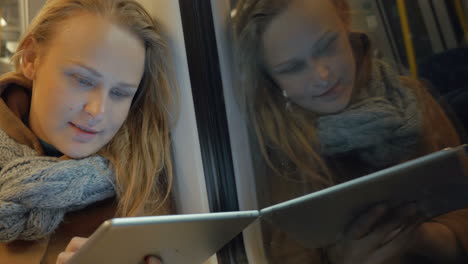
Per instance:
(328,46)
(119,94)
(83,81)
(292,68)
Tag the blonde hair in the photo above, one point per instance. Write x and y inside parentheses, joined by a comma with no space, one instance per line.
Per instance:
(287,139)
(140,150)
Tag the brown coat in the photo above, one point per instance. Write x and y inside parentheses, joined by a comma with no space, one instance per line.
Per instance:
(81,223)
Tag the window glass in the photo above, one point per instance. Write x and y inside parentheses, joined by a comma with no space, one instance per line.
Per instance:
(10,31)
(334,90)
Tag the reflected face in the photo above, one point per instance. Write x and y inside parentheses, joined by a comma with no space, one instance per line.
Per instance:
(306,51)
(84,81)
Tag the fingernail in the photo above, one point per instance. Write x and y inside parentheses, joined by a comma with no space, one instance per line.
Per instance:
(152,260)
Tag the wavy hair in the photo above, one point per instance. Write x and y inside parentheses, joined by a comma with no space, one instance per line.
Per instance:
(140,150)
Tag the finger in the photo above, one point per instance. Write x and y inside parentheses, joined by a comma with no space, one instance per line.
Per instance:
(364,223)
(75,244)
(410,214)
(388,230)
(406,234)
(398,244)
(355,243)
(152,260)
(63,257)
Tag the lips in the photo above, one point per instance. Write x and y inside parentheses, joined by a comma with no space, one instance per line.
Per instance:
(331,90)
(84,129)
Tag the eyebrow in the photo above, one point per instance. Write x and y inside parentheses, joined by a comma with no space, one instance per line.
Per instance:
(99,75)
(327,35)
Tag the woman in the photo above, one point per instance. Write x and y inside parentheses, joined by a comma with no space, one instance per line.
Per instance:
(324,111)
(84,127)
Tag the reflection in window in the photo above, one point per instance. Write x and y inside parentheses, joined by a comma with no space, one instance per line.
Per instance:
(335,90)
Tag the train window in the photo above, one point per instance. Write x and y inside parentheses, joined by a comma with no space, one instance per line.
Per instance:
(302,95)
(332,90)
(15,15)
(10,31)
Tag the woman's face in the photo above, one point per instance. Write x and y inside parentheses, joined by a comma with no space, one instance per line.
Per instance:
(84,80)
(306,51)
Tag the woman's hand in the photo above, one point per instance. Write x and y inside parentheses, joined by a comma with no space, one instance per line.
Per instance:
(77,242)
(152,260)
(72,247)
(377,236)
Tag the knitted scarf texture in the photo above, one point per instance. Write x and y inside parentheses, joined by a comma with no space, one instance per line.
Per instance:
(382,125)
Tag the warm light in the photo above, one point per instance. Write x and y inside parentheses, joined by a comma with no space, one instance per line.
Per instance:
(233,12)
(2,22)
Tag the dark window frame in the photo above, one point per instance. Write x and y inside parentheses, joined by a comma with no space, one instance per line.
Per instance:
(210,112)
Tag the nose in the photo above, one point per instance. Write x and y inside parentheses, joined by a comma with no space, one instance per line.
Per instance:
(323,72)
(320,74)
(96,106)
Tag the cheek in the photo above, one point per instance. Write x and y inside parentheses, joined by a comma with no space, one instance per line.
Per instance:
(118,114)
(56,92)
(294,85)
(66,104)
(343,67)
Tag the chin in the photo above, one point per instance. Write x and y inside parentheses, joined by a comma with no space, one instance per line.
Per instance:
(330,108)
(78,154)
(336,107)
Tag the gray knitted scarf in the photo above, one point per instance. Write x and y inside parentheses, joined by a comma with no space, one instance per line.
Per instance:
(37,191)
(381,126)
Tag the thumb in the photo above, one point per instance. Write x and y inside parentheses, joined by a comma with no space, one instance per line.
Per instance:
(152,260)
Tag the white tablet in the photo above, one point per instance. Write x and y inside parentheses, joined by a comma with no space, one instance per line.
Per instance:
(438,181)
(176,239)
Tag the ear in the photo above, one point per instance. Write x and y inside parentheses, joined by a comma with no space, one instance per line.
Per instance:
(30,59)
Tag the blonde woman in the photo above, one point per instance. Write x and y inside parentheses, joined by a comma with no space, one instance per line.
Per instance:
(323,112)
(84,127)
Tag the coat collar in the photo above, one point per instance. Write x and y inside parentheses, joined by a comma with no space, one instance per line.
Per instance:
(15,94)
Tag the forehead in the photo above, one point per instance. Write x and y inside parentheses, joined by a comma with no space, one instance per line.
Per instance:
(95,41)
(301,24)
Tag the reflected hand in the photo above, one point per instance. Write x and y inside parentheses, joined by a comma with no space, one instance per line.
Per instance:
(376,236)
(437,242)
(77,242)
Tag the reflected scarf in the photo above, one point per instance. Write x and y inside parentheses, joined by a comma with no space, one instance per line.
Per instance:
(382,125)
(36,191)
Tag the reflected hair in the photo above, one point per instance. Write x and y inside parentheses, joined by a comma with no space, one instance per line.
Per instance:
(140,150)
(287,139)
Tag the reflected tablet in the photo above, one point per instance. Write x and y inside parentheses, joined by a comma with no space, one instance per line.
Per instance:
(437,181)
(177,239)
